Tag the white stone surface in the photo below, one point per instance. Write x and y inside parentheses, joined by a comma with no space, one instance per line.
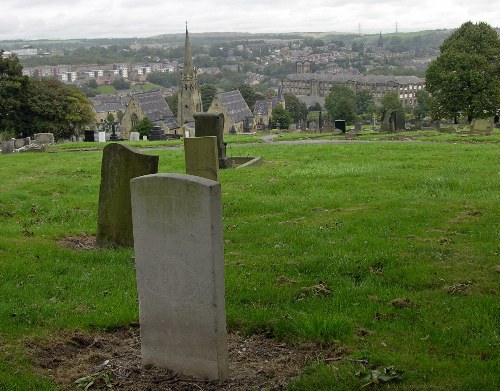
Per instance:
(134,136)
(179,255)
(102,137)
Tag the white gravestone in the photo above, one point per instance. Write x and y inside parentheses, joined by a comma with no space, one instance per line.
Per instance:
(134,136)
(179,255)
(102,137)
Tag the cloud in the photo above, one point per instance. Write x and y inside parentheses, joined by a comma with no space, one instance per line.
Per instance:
(32,19)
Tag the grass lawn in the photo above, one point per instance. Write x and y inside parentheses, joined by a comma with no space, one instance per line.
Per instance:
(388,249)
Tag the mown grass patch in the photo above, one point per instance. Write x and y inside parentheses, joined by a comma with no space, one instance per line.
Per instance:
(389,249)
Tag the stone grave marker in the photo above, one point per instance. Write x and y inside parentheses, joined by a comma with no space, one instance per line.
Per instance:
(357,127)
(43,138)
(179,255)
(134,136)
(120,164)
(102,137)
(200,154)
(212,124)
(7,146)
(340,124)
(481,127)
(89,136)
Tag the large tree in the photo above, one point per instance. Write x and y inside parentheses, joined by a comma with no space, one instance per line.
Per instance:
(296,108)
(12,93)
(365,104)
(341,104)
(391,102)
(52,106)
(465,78)
(282,117)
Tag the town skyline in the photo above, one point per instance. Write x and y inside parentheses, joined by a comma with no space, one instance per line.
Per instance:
(120,19)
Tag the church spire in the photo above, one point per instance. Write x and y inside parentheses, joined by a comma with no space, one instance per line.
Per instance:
(188,59)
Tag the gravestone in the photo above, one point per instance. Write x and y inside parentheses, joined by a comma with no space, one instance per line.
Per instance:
(134,136)
(212,124)
(21,142)
(200,154)
(102,137)
(357,127)
(89,136)
(7,146)
(44,138)
(481,127)
(156,134)
(392,121)
(179,255)
(119,165)
(340,124)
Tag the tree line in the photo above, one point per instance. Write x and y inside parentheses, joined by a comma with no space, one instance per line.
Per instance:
(31,105)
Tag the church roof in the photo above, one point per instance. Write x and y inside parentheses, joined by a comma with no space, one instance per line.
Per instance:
(235,105)
(153,105)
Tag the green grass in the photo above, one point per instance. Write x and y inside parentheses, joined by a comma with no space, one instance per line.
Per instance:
(372,222)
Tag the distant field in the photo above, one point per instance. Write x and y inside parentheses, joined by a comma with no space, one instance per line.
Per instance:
(386,250)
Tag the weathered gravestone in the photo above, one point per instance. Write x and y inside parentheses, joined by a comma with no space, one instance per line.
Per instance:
(135,136)
(119,165)
(179,257)
(43,138)
(212,124)
(102,137)
(357,127)
(200,154)
(7,146)
(481,127)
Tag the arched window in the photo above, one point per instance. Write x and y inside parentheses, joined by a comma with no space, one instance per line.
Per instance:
(134,119)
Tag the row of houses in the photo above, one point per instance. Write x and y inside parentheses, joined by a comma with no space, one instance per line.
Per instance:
(103,74)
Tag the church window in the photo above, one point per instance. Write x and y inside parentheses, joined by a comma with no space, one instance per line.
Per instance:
(134,119)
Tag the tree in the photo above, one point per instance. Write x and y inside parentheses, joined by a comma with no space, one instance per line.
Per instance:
(52,106)
(295,107)
(390,102)
(248,94)
(144,127)
(423,105)
(365,105)
(341,104)
(282,117)
(121,84)
(12,93)
(172,102)
(208,92)
(465,77)
(164,79)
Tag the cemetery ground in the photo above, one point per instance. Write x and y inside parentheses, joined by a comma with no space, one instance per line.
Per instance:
(348,265)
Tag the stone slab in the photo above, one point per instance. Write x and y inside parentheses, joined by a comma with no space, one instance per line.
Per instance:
(120,164)
(200,154)
(43,138)
(134,136)
(179,255)
(7,147)
(102,137)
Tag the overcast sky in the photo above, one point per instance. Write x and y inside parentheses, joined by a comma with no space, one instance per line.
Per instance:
(63,19)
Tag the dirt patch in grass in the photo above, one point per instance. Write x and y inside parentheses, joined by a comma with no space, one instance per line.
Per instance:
(113,359)
(84,242)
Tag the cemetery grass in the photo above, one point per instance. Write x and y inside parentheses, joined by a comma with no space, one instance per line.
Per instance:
(387,250)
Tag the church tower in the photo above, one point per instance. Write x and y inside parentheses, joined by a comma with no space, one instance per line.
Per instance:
(189,101)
